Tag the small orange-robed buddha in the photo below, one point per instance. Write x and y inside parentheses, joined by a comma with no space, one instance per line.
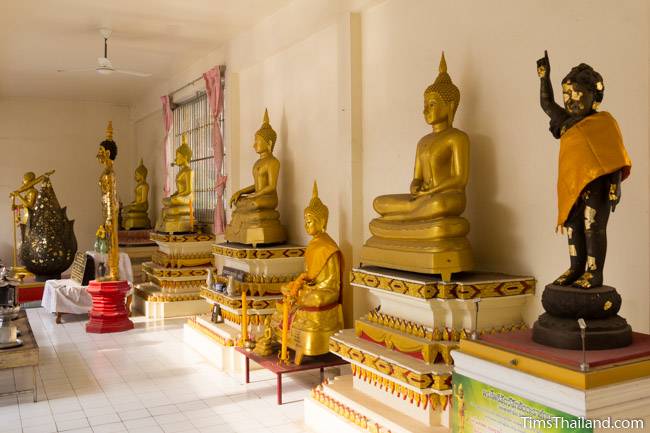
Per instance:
(315,295)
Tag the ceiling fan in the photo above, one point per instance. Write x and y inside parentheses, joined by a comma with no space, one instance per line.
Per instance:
(104,65)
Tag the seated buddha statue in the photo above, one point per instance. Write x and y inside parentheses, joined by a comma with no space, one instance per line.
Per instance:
(422,231)
(177,215)
(255,220)
(135,214)
(315,295)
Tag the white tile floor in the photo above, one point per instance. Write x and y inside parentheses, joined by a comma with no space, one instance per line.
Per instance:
(141,381)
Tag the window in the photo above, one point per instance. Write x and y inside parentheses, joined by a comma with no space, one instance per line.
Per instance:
(193,118)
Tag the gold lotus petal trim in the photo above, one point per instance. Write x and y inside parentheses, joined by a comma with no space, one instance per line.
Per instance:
(188,237)
(226,342)
(443,290)
(396,372)
(258,253)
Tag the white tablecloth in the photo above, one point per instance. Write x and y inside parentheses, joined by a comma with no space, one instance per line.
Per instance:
(68,296)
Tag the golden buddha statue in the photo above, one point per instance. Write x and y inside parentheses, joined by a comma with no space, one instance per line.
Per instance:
(315,295)
(110,206)
(422,231)
(255,220)
(26,194)
(177,213)
(135,214)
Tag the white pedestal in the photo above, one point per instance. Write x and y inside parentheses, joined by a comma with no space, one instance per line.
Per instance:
(222,356)
(162,310)
(628,400)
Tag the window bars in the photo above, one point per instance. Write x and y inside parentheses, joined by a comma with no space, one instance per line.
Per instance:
(192,117)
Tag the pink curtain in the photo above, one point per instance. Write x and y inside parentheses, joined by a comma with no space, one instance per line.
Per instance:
(167,122)
(215,101)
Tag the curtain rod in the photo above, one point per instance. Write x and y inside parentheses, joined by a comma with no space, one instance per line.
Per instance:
(222,68)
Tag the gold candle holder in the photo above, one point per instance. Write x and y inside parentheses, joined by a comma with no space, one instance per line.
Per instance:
(284,356)
(244,319)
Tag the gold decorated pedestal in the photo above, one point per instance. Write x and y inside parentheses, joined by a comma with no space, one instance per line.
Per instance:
(173,279)
(444,256)
(260,272)
(401,352)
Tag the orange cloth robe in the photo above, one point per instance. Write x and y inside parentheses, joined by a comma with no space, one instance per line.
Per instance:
(589,149)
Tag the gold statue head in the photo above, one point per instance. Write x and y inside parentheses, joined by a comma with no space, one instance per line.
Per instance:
(141,172)
(107,148)
(316,214)
(28,177)
(184,152)
(266,134)
(442,97)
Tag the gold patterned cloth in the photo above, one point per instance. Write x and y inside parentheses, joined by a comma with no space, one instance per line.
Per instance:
(591,148)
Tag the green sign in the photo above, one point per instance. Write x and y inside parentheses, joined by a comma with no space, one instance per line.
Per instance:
(480,408)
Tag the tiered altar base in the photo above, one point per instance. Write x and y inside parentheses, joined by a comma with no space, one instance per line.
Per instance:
(260,272)
(137,244)
(616,385)
(401,352)
(174,278)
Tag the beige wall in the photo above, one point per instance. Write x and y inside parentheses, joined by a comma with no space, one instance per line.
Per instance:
(491,49)
(39,135)
(343,82)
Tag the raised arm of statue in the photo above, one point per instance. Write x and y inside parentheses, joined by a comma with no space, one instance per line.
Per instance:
(546,98)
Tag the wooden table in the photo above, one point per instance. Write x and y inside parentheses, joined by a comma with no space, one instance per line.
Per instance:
(23,356)
(272,364)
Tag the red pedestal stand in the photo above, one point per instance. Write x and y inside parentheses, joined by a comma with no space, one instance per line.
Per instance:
(109,310)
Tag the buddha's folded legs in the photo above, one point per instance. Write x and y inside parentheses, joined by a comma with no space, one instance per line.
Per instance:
(269,201)
(406,207)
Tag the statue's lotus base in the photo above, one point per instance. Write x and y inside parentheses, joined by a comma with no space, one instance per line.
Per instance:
(180,225)
(139,221)
(108,313)
(263,232)
(564,333)
(442,256)
(564,305)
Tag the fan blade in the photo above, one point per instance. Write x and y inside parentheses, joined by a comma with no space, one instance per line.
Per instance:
(137,74)
(76,70)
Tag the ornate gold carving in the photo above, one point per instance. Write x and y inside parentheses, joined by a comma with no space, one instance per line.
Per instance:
(439,382)
(174,272)
(235,302)
(258,253)
(190,260)
(227,342)
(187,237)
(165,297)
(254,318)
(416,329)
(439,289)
(258,285)
(392,337)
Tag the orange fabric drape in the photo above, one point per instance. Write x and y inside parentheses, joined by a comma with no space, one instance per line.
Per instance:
(591,148)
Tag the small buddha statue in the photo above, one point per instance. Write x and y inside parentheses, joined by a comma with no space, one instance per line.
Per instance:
(110,207)
(177,213)
(26,194)
(315,295)
(592,163)
(266,344)
(255,219)
(422,231)
(134,214)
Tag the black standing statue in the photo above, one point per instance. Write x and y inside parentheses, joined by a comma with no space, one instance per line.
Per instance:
(592,163)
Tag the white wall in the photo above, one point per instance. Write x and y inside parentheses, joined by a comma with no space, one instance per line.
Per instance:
(343,82)
(40,135)
(491,50)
